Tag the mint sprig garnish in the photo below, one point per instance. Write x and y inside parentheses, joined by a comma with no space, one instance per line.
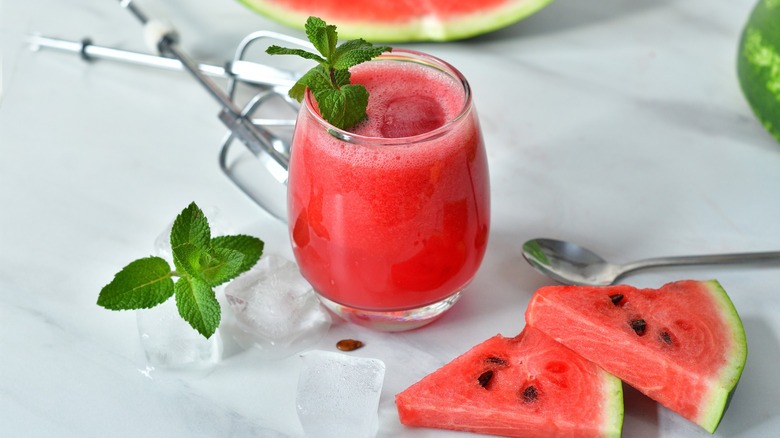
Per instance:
(341,103)
(202,262)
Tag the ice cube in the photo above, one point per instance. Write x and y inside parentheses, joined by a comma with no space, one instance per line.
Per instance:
(338,394)
(170,343)
(275,309)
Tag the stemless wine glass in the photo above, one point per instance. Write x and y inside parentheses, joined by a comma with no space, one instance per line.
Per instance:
(389,223)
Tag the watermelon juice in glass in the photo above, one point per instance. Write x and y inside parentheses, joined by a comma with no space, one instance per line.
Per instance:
(389,222)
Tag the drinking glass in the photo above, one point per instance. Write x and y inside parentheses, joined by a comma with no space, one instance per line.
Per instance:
(390,230)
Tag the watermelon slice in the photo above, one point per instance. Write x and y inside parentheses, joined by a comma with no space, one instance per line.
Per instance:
(402,20)
(682,345)
(528,386)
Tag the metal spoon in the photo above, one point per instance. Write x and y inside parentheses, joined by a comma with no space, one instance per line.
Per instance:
(570,263)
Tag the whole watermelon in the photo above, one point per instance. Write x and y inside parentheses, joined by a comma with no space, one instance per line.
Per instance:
(758,64)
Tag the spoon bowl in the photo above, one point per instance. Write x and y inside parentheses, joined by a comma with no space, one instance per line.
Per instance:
(569,263)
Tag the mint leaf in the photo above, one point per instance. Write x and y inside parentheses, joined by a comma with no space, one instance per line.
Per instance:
(340,103)
(276,50)
(317,78)
(322,35)
(190,237)
(190,259)
(213,266)
(340,106)
(221,265)
(142,284)
(341,78)
(250,247)
(198,305)
(354,52)
(190,227)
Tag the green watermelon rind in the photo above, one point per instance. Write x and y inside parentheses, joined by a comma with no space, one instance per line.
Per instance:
(613,424)
(421,29)
(758,64)
(716,403)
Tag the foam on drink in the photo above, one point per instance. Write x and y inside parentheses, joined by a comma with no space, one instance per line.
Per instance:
(406,99)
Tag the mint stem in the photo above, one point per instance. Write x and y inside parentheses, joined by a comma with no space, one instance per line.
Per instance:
(333,78)
(339,102)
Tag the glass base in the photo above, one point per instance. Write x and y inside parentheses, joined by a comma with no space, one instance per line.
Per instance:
(393,320)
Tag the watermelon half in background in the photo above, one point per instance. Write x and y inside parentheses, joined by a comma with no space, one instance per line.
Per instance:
(529,386)
(683,344)
(758,64)
(401,20)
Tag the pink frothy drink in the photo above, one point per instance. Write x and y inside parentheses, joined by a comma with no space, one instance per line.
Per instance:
(389,222)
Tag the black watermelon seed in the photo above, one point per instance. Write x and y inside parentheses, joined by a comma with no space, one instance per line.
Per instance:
(665,337)
(495,360)
(616,299)
(639,326)
(530,394)
(485,378)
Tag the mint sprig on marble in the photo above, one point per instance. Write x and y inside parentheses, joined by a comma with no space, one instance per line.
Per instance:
(201,263)
(341,103)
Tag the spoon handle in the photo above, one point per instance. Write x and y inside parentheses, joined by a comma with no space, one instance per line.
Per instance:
(714,259)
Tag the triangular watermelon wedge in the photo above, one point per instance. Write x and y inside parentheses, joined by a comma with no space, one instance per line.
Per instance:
(528,386)
(402,20)
(683,344)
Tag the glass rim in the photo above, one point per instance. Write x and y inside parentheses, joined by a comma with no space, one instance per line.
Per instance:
(409,55)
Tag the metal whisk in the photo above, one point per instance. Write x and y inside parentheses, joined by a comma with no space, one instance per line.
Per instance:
(266,139)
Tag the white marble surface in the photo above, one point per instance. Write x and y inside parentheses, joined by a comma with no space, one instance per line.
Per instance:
(617,124)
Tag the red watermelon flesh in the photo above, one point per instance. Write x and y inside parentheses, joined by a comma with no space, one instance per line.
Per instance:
(529,386)
(682,345)
(402,20)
